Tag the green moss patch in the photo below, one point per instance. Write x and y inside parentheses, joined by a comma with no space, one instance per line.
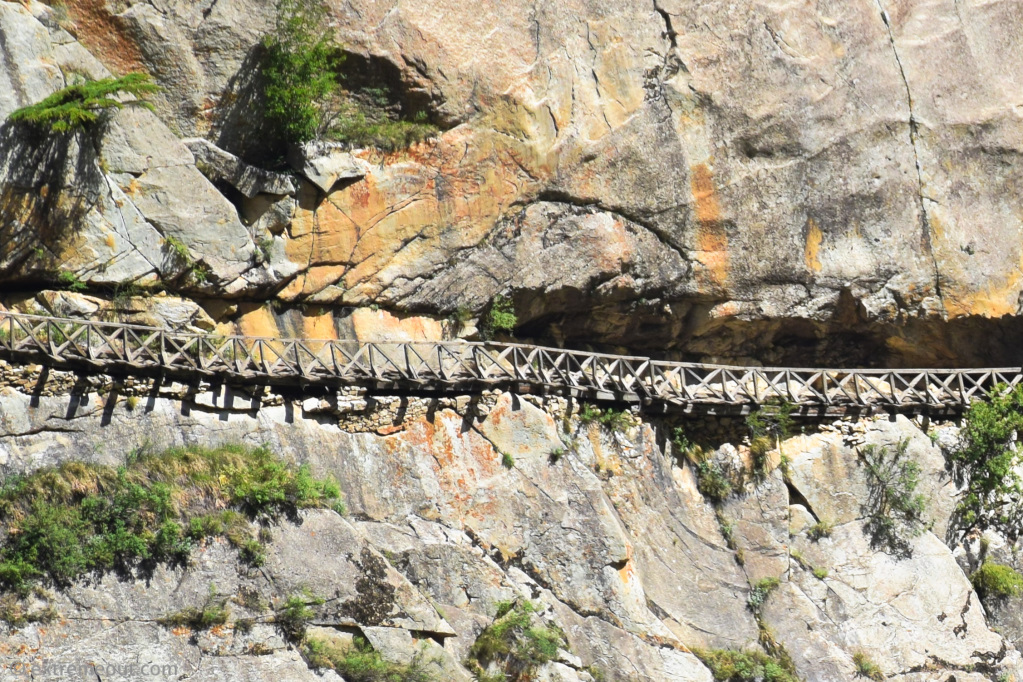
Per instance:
(995,581)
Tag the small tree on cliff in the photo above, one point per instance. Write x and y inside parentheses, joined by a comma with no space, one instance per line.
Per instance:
(76,106)
(894,509)
(304,97)
(986,463)
(301,72)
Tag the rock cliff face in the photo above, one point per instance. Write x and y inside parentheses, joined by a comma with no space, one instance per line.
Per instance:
(836,183)
(766,182)
(605,528)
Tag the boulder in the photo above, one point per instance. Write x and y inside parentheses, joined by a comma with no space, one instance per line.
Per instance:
(217,164)
(325,165)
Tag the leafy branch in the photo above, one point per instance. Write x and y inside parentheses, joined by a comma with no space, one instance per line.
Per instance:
(76,106)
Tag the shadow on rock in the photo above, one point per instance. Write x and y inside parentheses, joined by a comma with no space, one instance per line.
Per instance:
(48,183)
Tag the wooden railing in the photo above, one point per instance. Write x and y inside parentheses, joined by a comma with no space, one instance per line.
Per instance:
(458,366)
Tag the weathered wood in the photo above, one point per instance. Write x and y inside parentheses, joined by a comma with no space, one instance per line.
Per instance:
(466,366)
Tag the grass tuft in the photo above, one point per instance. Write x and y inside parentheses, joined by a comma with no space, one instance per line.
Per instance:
(820,530)
(616,421)
(195,618)
(293,617)
(866,667)
(16,613)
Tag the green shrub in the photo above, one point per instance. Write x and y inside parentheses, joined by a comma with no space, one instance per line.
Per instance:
(201,273)
(588,414)
(300,72)
(730,665)
(360,663)
(507,461)
(759,593)
(614,420)
(611,419)
(293,617)
(766,429)
(76,106)
(265,248)
(71,281)
(894,510)
(821,529)
(304,100)
(985,462)
(712,482)
(684,447)
(500,317)
(996,582)
(866,667)
(820,573)
(516,644)
(78,518)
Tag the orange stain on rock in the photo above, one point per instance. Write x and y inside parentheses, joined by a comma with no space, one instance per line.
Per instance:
(711,238)
(708,210)
(410,211)
(998,299)
(104,34)
(627,572)
(994,296)
(811,251)
(258,321)
(318,324)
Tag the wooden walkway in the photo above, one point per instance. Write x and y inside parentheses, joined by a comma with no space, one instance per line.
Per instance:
(465,367)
